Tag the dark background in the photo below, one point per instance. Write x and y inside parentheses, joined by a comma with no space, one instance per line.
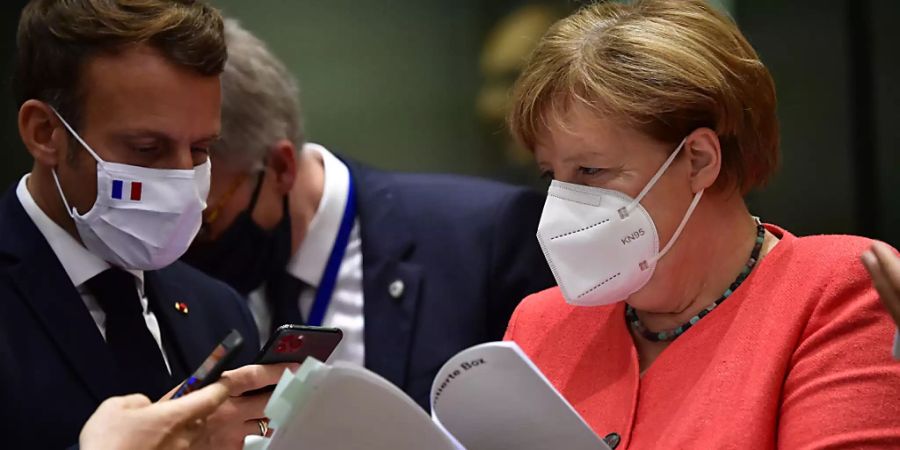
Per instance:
(394,83)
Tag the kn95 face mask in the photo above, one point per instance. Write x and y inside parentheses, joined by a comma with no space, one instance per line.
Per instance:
(601,244)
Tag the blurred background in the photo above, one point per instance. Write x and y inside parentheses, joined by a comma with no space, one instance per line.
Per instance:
(421,85)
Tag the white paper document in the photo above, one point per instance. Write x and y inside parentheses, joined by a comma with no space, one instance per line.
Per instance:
(492,397)
(487,397)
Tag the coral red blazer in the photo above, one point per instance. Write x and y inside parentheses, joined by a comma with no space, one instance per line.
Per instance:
(799,357)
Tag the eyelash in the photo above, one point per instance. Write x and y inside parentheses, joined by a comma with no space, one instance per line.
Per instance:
(586,171)
(590,171)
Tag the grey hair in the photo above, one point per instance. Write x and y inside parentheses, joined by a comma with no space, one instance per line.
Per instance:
(260,103)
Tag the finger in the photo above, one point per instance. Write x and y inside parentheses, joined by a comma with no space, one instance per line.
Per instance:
(889,262)
(252,377)
(886,293)
(252,406)
(196,405)
(132,401)
(185,434)
(168,395)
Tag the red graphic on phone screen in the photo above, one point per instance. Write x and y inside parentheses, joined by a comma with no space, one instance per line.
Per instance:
(289,344)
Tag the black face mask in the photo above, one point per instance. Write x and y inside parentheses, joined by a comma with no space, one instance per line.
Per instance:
(245,255)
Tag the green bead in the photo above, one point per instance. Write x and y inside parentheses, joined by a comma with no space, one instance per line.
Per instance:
(694,320)
(662,335)
(728,293)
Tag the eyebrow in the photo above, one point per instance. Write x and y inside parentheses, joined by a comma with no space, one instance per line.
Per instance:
(604,156)
(140,133)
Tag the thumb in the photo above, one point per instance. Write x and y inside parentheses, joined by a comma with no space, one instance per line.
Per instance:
(196,405)
(133,401)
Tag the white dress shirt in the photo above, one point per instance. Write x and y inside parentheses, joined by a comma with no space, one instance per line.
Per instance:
(345,311)
(81,265)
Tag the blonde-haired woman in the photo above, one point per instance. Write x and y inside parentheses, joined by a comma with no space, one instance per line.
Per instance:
(681,321)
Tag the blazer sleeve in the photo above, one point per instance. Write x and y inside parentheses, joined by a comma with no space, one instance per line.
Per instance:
(518,267)
(843,388)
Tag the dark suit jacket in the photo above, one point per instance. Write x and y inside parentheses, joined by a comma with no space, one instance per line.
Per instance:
(55,368)
(466,253)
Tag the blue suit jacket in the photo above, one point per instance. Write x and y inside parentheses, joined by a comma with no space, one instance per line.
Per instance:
(55,368)
(466,253)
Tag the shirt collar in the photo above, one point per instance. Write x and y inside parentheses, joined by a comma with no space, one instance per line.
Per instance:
(79,263)
(308,263)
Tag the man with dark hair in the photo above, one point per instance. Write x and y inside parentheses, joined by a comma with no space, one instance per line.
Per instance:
(119,101)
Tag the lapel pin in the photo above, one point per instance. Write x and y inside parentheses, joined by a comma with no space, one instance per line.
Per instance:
(181,307)
(396,289)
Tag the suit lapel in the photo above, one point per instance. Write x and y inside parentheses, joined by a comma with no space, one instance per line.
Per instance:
(49,293)
(180,326)
(391,283)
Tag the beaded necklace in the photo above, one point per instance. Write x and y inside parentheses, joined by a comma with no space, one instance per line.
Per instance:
(670,335)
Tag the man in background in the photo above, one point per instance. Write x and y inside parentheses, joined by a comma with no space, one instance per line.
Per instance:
(413,268)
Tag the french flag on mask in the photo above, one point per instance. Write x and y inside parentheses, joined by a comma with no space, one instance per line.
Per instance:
(126,190)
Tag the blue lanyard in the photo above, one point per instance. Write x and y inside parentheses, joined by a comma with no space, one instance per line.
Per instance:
(329,278)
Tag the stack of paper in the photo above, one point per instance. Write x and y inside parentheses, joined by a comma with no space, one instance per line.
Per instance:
(345,407)
(487,397)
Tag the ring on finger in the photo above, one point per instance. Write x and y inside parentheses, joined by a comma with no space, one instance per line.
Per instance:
(263,426)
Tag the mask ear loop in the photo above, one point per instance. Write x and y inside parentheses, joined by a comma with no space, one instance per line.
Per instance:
(77,137)
(646,264)
(69,209)
(626,210)
(72,212)
(255,196)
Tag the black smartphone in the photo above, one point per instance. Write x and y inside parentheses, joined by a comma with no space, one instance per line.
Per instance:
(213,366)
(293,343)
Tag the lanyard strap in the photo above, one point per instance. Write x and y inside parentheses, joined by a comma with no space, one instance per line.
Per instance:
(329,278)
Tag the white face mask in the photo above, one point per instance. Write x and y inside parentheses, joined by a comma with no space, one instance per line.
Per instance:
(601,244)
(143,218)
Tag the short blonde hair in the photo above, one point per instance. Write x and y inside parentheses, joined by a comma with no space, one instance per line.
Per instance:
(664,67)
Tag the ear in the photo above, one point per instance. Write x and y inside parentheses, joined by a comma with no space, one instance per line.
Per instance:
(705,153)
(42,133)
(282,161)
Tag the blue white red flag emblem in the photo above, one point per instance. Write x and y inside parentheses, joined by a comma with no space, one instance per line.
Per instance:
(133,188)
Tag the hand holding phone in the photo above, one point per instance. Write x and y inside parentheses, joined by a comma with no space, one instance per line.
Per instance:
(213,366)
(294,343)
